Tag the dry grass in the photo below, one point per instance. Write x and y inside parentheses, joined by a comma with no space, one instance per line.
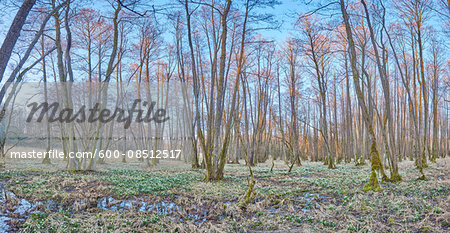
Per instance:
(309,199)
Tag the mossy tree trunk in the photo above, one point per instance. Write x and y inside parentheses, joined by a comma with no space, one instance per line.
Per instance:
(374,155)
(405,78)
(388,121)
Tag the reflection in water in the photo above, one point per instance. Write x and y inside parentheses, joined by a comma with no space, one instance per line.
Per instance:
(13,208)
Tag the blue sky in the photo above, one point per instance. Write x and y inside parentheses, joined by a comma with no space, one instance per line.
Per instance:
(283,12)
(286,12)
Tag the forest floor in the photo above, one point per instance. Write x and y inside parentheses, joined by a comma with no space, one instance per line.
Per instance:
(174,198)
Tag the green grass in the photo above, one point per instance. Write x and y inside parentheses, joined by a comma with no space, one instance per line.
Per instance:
(129,182)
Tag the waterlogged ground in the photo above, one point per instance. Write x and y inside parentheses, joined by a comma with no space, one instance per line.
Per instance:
(173,198)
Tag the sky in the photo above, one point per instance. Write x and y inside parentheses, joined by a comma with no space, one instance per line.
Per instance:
(284,12)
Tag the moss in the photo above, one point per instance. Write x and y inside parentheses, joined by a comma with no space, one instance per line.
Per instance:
(249,196)
(376,161)
(422,177)
(358,164)
(46,161)
(391,221)
(425,229)
(445,224)
(372,184)
(384,178)
(375,157)
(331,165)
(395,177)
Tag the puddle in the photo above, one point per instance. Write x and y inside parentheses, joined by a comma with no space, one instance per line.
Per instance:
(4,226)
(13,208)
(4,219)
(165,207)
(160,208)
(311,201)
(198,213)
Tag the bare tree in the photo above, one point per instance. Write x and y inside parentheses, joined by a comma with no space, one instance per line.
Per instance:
(375,157)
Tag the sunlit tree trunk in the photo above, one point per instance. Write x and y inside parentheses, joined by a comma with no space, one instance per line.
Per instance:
(375,157)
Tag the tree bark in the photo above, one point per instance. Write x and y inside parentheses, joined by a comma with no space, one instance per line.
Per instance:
(13,34)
